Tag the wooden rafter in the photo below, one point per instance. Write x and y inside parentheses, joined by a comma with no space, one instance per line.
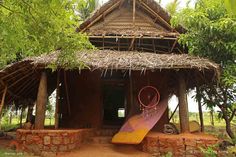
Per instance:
(146,7)
(100,16)
(3,99)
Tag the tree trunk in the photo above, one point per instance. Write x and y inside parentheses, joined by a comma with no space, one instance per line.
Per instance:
(29,114)
(10,118)
(228,129)
(21,117)
(41,102)
(200,110)
(212,117)
(183,105)
(227,122)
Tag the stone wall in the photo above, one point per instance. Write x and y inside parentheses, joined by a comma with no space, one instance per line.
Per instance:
(40,141)
(179,145)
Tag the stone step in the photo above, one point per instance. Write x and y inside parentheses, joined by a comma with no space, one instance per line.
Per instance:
(106,132)
(100,140)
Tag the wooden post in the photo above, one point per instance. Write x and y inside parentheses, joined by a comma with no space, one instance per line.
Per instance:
(183,105)
(200,110)
(134,12)
(67,93)
(57,101)
(41,102)
(2,104)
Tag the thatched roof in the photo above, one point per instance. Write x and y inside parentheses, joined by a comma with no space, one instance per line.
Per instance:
(22,78)
(116,18)
(132,60)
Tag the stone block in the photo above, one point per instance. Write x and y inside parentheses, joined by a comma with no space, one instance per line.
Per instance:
(190,142)
(66,140)
(53,148)
(47,140)
(57,140)
(63,148)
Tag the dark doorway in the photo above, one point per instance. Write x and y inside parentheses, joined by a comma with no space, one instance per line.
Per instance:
(114,104)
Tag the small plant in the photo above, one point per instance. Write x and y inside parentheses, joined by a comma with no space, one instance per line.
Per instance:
(209,151)
(232,151)
(169,154)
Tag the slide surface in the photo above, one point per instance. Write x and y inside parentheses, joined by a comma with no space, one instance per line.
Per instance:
(137,127)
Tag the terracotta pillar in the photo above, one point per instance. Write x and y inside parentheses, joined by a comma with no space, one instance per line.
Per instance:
(183,105)
(41,102)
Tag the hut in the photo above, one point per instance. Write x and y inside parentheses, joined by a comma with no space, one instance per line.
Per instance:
(136,47)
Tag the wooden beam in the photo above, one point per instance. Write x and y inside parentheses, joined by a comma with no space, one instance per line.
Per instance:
(131,36)
(172,115)
(173,46)
(41,102)
(67,93)
(183,105)
(131,47)
(3,99)
(16,82)
(57,101)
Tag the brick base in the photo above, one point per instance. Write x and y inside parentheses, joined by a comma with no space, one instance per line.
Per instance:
(40,141)
(179,145)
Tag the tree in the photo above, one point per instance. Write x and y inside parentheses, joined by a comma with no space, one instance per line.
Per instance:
(33,27)
(172,7)
(85,7)
(211,33)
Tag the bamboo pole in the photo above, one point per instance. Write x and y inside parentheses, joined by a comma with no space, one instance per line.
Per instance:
(57,101)
(183,105)
(67,93)
(41,102)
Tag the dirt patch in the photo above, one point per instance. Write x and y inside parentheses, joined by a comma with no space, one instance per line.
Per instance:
(107,150)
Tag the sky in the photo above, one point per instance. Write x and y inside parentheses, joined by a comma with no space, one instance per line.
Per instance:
(164,2)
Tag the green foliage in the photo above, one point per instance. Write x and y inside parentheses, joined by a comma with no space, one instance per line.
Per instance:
(85,7)
(211,33)
(33,27)
(231,6)
(172,7)
(209,152)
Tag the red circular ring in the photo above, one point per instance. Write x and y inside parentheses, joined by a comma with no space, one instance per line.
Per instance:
(158,97)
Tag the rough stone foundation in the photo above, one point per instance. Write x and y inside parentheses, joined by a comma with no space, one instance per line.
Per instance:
(179,145)
(40,141)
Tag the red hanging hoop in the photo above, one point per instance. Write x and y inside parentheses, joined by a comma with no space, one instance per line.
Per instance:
(156,95)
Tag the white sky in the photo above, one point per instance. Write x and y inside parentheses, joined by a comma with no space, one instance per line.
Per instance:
(193,107)
(164,2)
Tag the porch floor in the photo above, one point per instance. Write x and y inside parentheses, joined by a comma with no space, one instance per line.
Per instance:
(105,150)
